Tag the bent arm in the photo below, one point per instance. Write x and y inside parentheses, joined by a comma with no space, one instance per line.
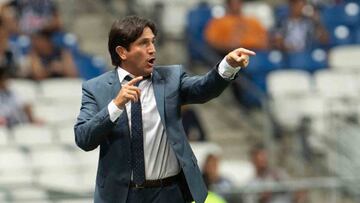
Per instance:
(92,124)
(200,89)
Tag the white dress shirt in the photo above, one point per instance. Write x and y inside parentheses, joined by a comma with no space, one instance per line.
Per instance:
(160,159)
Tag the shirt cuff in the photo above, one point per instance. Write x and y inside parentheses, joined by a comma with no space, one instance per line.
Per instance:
(226,71)
(114,111)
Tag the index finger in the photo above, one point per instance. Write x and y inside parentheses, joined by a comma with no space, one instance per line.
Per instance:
(135,80)
(245,51)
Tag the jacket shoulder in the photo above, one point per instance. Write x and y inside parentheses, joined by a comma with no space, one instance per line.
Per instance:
(169,71)
(100,79)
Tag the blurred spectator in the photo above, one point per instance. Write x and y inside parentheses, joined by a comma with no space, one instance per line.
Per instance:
(35,15)
(6,55)
(263,174)
(13,110)
(192,125)
(301,29)
(8,14)
(304,132)
(47,60)
(212,177)
(235,30)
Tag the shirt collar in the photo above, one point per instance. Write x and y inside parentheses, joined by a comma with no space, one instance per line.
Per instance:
(123,73)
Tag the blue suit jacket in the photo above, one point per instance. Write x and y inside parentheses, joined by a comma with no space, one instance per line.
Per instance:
(172,88)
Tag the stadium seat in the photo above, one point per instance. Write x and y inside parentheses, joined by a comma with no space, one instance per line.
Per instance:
(288,82)
(262,11)
(87,159)
(336,85)
(57,112)
(21,44)
(341,14)
(240,172)
(341,34)
(357,35)
(203,149)
(78,183)
(4,136)
(345,58)
(66,40)
(196,21)
(287,88)
(76,201)
(28,90)
(32,135)
(281,12)
(19,161)
(65,134)
(310,61)
(29,195)
(174,18)
(61,89)
(265,61)
(15,167)
(89,66)
(53,158)
(3,196)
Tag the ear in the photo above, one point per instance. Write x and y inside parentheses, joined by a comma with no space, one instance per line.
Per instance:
(122,52)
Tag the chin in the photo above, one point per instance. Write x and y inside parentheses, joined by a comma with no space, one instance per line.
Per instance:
(148,70)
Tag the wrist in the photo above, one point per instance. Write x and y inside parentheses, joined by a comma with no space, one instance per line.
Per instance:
(119,104)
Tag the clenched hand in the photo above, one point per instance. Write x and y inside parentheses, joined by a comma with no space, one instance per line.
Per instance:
(128,92)
(239,57)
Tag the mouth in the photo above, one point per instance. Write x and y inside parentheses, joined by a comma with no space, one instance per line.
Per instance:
(151,61)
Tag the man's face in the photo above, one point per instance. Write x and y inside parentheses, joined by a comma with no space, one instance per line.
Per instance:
(260,160)
(139,59)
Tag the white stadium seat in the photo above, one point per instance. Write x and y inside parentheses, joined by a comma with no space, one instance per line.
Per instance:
(262,11)
(288,83)
(4,136)
(61,89)
(345,58)
(53,158)
(25,89)
(30,135)
(331,84)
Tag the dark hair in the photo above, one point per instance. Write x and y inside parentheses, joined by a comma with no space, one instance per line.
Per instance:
(44,33)
(124,32)
(3,72)
(257,148)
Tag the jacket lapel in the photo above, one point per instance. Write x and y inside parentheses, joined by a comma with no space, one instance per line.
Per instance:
(159,91)
(114,82)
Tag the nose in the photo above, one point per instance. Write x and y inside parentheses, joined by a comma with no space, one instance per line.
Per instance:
(152,49)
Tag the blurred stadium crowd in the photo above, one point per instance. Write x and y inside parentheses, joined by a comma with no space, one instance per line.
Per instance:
(303,80)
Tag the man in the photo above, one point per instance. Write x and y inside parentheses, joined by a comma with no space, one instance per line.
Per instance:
(133,113)
(266,174)
(234,29)
(298,32)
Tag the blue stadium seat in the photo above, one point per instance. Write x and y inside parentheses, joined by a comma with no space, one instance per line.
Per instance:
(66,40)
(341,35)
(20,43)
(341,14)
(310,61)
(357,35)
(266,61)
(281,12)
(255,74)
(89,66)
(196,21)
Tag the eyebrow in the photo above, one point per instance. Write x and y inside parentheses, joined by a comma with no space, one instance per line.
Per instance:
(147,39)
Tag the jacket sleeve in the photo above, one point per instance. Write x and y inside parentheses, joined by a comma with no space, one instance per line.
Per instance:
(93,124)
(200,89)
